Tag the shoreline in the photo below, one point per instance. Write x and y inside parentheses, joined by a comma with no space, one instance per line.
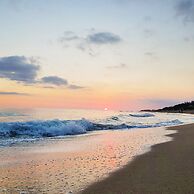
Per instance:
(167,168)
(72,164)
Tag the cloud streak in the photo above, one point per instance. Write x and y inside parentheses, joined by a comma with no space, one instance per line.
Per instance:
(14,93)
(19,68)
(75,87)
(90,41)
(25,70)
(103,38)
(93,38)
(185,9)
(69,36)
(54,80)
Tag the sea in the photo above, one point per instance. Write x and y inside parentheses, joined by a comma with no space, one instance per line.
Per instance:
(27,125)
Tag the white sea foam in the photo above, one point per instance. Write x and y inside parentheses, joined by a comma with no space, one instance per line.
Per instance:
(24,130)
(54,128)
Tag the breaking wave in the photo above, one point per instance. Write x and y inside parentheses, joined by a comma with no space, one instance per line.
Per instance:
(56,128)
(142,115)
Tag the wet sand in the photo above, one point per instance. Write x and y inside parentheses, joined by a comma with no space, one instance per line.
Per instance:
(68,165)
(167,169)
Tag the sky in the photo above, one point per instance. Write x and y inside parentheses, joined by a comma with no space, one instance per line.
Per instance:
(96,54)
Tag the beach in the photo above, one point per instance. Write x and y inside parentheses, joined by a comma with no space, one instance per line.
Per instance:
(96,97)
(167,168)
(71,164)
(75,155)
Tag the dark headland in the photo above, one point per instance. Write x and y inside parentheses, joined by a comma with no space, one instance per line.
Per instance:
(186,107)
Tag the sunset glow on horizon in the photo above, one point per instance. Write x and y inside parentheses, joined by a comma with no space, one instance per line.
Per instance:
(107,55)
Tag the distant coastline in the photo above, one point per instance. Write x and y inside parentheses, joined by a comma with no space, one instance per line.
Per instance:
(186,107)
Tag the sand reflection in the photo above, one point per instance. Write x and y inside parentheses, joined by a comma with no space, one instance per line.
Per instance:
(71,164)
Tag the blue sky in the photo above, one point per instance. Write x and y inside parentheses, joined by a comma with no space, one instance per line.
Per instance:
(142,49)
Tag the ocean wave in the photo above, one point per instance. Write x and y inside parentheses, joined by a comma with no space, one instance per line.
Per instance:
(55,128)
(142,115)
(44,128)
(10,114)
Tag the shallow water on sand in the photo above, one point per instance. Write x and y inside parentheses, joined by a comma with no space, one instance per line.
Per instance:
(70,164)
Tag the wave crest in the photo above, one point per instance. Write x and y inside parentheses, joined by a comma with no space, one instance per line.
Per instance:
(142,115)
(54,128)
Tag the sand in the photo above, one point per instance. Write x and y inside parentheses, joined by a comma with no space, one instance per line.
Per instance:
(71,164)
(167,169)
